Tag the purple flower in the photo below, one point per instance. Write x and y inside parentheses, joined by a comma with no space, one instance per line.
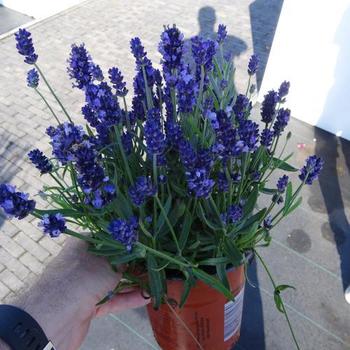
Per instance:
(248,136)
(234,214)
(203,52)
(40,161)
(96,72)
(255,176)
(283,90)
(171,48)
(266,137)
(116,78)
(142,189)
(281,122)
(63,138)
(80,66)
(187,154)
(90,115)
(104,195)
(268,106)
(268,222)
(154,136)
(127,142)
(241,107)
(173,133)
(103,103)
(124,231)
(25,46)
(186,91)
(15,203)
(282,183)
(226,135)
(253,64)
(222,33)
(53,224)
(33,78)
(138,51)
(312,168)
(199,183)
(222,182)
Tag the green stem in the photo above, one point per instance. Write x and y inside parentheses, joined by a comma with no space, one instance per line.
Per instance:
(162,255)
(155,181)
(147,89)
(200,95)
(52,92)
(248,86)
(217,213)
(127,114)
(282,303)
(48,106)
(168,223)
(125,160)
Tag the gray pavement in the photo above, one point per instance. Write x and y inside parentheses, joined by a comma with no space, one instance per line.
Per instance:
(310,250)
(10,19)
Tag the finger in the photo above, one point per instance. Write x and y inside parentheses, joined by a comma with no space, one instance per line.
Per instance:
(122,302)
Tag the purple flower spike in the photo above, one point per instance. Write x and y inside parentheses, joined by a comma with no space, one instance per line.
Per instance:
(253,64)
(40,161)
(15,203)
(53,224)
(33,78)
(25,46)
(311,170)
(124,231)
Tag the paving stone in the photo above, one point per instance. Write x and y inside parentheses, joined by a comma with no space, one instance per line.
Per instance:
(32,263)
(13,264)
(10,280)
(29,245)
(11,246)
(4,291)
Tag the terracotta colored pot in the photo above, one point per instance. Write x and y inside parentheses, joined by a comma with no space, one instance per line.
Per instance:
(212,320)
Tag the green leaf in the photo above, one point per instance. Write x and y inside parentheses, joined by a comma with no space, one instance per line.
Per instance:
(280,164)
(251,201)
(155,281)
(201,214)
(232,252)
(161,219)
(70,213)
(294,206)
(282,287)
(269,191)
(221,272)
(277,296)
(185,230)
(122,206)
(247,235)
(125,258)
(188,284)
(212,282)
(278,302)
(289,194)
(214,261)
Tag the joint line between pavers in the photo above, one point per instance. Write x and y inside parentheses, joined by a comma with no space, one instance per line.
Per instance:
(133,331)
(314,263)
(316,324)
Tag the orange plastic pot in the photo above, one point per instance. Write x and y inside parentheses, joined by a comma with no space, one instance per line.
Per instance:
(207,315)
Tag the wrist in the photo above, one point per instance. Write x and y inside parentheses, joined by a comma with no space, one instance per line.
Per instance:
(64,298)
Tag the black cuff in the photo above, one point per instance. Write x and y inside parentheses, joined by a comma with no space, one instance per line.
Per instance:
(20,330)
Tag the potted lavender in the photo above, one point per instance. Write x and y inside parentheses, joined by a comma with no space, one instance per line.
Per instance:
(168,185)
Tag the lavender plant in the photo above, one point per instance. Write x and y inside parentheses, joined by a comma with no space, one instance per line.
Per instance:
(171,182)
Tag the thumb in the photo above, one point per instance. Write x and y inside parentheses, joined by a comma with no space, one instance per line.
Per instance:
(122,302)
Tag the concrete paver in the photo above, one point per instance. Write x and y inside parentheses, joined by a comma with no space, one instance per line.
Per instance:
(305,252)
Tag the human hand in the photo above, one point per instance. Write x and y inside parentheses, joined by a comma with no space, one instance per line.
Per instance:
(64,300)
